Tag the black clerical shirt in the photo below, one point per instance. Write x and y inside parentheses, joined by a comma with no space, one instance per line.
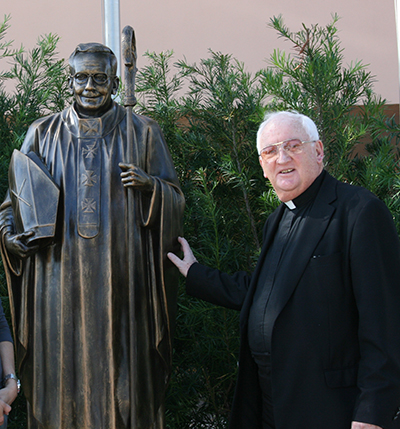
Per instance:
(291,223)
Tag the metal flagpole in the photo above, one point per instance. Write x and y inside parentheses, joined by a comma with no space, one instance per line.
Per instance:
(111,28)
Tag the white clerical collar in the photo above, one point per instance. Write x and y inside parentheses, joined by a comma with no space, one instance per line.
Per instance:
(290,204)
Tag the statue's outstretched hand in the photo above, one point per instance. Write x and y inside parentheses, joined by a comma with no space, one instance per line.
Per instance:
(18,245)
(134,176)
(188,257)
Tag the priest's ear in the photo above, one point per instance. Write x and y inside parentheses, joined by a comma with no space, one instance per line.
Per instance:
(115,85)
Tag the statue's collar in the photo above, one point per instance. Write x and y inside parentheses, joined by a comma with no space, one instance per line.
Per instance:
(88,128)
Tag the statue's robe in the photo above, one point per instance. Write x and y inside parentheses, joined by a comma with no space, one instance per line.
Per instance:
(70,301)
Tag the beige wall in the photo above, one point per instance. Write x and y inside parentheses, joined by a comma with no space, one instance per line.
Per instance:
(239,27)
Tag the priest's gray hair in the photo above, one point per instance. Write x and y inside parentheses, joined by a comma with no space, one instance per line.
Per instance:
(304,121)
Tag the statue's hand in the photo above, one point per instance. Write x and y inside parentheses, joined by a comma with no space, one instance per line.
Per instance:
(134,176)
(17,244)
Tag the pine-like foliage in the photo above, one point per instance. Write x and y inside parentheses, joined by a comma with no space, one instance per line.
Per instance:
(360,142)
(212,125)
(209,113)
(34,85)
(39,86)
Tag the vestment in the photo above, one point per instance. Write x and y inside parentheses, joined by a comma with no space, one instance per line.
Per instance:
(335,350)
(70,300)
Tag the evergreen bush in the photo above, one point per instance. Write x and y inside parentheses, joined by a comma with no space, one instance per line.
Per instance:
(214,123)
(209,113)
(38,82)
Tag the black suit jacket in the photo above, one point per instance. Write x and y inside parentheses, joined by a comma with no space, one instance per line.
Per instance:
(335,318)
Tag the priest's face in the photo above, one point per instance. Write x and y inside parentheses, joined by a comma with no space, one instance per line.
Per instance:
(93,83)
(290,172)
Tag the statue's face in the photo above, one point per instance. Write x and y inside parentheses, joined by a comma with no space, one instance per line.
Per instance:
(93,83)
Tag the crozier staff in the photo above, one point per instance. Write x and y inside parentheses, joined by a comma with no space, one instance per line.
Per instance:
(320,319)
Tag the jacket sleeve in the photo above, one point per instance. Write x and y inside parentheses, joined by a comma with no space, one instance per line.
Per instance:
(216,287)
(375,275)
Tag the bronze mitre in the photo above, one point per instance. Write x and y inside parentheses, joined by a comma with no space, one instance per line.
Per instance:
(34,195)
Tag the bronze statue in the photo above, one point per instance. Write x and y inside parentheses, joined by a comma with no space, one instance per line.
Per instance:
(89,355)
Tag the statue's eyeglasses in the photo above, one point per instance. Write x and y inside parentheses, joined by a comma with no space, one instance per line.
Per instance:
(82,78)
(292,147)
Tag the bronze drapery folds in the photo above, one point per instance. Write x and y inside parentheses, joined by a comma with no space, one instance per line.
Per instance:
(72,316)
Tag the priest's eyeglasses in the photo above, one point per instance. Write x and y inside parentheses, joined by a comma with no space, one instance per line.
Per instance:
(291,147)
(82,78)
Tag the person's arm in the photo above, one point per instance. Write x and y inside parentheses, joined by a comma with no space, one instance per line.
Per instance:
(375,275)
(10,391)
(208,284)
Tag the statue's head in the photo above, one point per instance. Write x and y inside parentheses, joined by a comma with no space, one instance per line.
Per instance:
(93,79)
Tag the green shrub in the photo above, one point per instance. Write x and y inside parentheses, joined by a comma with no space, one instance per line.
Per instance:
(209,113)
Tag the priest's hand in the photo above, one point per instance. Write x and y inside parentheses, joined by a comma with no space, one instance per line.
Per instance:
(134,176)
(358,425)
(188,257)
(17,244)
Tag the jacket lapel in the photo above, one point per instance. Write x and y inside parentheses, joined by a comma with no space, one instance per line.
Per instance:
(314,229)
(270,228)
(305,244)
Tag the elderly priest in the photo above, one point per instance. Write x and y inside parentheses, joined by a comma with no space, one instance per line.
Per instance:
(320,314)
